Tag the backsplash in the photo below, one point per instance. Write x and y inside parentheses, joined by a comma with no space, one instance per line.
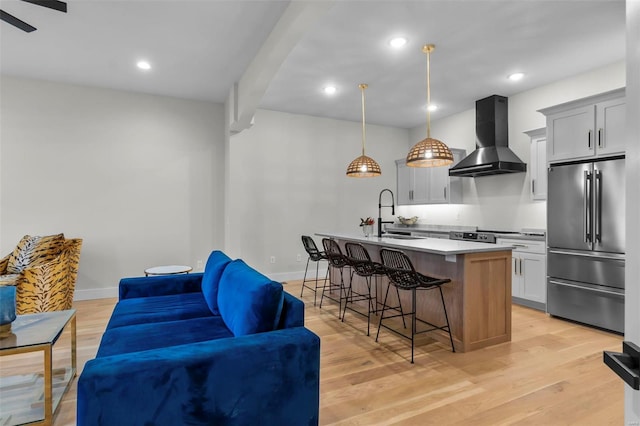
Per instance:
(487,216)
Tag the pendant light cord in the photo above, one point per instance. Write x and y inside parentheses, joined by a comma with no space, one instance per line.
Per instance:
(362,87)
(428,48)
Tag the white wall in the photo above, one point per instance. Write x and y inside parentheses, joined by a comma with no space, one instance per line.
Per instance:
(138,177)
(142,178)
(287,178)
(503,201)
(632,266)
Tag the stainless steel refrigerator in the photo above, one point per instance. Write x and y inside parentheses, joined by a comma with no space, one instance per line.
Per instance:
(586,242)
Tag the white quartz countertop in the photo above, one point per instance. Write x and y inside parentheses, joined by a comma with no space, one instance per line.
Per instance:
(427,245)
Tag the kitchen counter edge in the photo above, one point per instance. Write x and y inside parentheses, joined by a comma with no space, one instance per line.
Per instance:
(428,245)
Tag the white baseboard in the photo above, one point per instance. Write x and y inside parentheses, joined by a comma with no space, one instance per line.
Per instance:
(96,293)
(287,276)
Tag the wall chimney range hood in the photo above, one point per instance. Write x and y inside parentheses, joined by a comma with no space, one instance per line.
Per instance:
(492,155)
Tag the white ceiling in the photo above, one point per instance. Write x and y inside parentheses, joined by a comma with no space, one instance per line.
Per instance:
(199,48)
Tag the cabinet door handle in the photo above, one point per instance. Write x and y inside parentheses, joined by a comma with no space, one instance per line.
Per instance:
(589,139)
(533,186)
(520,266)
(600,137)
(515,266)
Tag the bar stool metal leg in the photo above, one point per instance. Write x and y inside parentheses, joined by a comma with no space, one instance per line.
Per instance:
(316,256)
(446,317)
(403,276)
(331,287)
(315,288)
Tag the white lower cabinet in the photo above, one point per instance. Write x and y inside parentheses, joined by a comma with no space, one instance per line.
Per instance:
(528,272)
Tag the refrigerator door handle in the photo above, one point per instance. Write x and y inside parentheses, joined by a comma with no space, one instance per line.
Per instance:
(587,206)
(598,206)
(597,255)
(587,287)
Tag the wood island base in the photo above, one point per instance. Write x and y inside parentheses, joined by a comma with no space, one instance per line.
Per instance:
(478,298)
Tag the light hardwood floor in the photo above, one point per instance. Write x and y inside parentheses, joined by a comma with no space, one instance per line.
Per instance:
(551,373)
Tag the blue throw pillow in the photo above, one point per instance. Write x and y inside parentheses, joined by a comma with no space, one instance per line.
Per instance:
(210,279)
(248,301)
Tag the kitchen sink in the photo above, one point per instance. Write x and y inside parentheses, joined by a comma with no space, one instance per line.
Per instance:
(403,237)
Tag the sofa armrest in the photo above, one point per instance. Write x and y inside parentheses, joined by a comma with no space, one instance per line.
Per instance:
(292,312)
(3,264)
(268,378)
(161,285)
(43,286)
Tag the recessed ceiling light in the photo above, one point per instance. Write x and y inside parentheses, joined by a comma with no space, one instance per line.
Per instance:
(143,65)
(330,90)
(397,42)
(432,107)
(516,76)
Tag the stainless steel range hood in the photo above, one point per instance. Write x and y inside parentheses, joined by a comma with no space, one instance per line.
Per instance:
(492,155)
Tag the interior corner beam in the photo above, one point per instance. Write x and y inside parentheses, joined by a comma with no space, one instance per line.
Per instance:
(51,4)
(19,23)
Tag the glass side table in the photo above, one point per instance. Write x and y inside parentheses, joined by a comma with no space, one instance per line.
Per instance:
(34,398)
(167,270)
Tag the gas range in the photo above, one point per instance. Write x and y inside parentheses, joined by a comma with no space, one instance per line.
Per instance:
(480,236)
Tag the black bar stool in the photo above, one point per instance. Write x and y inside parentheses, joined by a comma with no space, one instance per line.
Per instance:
(361,265)
(337,260)
(316,256)
(403,276)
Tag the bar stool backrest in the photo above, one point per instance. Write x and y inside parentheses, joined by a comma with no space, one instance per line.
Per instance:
(333,253)
(357,252)
(360,259)
(312,249)
(399,269)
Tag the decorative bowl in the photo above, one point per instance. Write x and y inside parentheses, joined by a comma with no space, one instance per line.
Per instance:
(408,221)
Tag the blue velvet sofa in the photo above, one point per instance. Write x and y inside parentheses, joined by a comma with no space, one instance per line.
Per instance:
(223,347)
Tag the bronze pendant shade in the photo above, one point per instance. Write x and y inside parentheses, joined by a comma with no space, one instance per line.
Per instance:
(363,166)
(429,152)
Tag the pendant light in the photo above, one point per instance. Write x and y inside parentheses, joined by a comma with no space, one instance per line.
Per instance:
(429,152)
(363,166)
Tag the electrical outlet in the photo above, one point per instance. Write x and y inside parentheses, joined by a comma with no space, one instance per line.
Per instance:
(299,258)
(199,265)
(272,259)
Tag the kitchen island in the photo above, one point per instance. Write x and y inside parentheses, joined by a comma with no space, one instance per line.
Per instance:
(478,298)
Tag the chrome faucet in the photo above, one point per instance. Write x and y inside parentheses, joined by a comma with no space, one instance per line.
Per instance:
(380,206)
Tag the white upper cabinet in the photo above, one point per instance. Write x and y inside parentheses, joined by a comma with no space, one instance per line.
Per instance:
(412,184)
(585,128)
(538,163)
(429,185)
(610,126)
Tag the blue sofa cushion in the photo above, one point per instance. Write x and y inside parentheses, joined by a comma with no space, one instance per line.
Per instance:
(142,337)
(262,379)
(212,272)
(248,301)
(174,307)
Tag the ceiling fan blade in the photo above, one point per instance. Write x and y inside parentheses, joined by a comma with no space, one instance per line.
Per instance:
(51,4)
(10,19)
